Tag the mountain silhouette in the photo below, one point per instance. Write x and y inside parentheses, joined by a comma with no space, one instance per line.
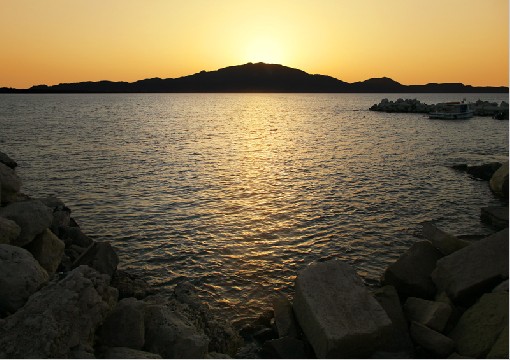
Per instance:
(259,77)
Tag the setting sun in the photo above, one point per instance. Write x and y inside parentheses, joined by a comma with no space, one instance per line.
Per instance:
(265,49)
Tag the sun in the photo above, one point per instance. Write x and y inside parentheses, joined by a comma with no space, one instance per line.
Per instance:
(264,49)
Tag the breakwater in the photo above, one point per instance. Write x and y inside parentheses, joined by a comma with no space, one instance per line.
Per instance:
(63,296)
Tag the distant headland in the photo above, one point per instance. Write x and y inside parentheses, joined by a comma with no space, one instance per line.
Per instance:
(255,78)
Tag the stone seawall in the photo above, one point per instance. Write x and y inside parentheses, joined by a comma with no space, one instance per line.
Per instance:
(61,295)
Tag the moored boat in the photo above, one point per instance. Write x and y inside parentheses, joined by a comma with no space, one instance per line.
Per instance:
(452,111)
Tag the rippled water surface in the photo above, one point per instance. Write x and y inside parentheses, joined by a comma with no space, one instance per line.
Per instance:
(237,192)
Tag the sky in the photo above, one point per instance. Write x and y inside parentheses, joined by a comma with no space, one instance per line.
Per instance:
(410,41)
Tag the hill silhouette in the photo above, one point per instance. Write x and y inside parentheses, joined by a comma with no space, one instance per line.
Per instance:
(259,77)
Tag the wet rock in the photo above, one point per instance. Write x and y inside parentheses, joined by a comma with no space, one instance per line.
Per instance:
(410,274)
(20,276)
(168,334)
(9,231)
(336,312)
(441,240)
(432,314)
(284,348)
(32,216)
(474,269)
(130,285)
(484,171)
(499,182)
(10,184)
(100,256)
(497,216)
(59,318)
(481,325)
(500,348)
(6,160)
(126,353)
(124,326)
(399,340)
(48,250)
(460,167)
(431,340)
(265,334)
(74,236)
(285,321)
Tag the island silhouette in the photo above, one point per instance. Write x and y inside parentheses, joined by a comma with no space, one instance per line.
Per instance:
(255,77)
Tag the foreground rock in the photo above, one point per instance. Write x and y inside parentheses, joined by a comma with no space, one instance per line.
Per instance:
(496,216)
(499,182)
(474,269)
(6,160)
(48,250)
(9,231)
(20,276)
(338,315)
(441,240)
(10,184)
(60,320)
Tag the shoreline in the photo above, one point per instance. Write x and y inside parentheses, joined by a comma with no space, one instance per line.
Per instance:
(117,315)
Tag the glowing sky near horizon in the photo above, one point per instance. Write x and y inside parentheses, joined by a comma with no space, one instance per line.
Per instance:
(410,41)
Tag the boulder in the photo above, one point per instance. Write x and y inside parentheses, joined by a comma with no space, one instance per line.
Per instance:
(410,274)
(32,216)
(9,231)
(124,326)
(433,314)
(60,318)
(170,335)
(10,184)
(499,182)
(474,269)
(285,321)
(500,348)
(20,276)
(284,348)
(399,340)
(496,216)
(441,240)
(126,353)
(130,285)
(480,326)
(484,171)
(48,250)
(73,235)
(431,340)
(502,287)
(100,256)
(338,315)
(6,160)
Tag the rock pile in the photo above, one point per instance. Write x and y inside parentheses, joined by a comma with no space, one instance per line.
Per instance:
(61,295)
(481,108)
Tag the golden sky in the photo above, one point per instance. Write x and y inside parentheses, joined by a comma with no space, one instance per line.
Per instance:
(411,41)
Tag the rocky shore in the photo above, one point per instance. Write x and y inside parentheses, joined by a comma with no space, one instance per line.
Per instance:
(61,295)
(481,108)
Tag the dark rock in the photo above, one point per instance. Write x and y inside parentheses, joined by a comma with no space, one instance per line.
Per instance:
(338,315)
(500,348)
(130,285)
(432,340)
(481,325)
(477,268)
(59,318)
(441,240)
(284,348)
(265,334)
(410,274)
(399,340)
(20,276)
(483,172)
(48,250)
(285,321)
(126,353)
(432,314)
(460,167)
(497,216)
(100,256)
(499,182)
(502,287)
(74,236)
(10,184)
(6,160)
(9,231)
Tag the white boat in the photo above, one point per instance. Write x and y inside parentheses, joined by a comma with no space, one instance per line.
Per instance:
(453,110)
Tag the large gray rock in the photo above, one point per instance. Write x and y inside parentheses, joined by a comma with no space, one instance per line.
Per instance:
(10,184)
(171,335)
(285,321)
(433,314)
(32,216)
(126,353)
(48,250)
(474,269)
(285,348)
(124,326)
(500,348)
(499,182)
(6,160)
(60,318)
(20,276)
(410,274)
(481,325)
(431,340)
(497,216)
(9,231)
(399,340)
(100,256)
(441,240)
(338,315)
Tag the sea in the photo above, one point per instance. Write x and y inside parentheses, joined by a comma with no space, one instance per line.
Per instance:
(236,193)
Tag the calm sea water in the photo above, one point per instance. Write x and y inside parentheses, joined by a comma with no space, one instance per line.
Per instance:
(236,193)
